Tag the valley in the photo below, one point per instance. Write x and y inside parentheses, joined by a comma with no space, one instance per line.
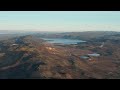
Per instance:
(32,57)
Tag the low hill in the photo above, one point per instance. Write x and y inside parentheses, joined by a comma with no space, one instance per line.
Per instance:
(30,57)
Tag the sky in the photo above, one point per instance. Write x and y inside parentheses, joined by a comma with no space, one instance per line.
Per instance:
(60,20)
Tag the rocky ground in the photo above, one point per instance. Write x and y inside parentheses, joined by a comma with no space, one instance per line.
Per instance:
(29,57)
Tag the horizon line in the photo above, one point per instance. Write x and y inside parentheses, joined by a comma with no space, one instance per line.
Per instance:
(27,30)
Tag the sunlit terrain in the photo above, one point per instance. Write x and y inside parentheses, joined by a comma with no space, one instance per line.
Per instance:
(60,45)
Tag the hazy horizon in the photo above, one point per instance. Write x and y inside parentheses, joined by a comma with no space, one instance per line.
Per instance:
(60,21)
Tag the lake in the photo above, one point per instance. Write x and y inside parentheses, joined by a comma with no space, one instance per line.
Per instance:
(94,55)
(63,41)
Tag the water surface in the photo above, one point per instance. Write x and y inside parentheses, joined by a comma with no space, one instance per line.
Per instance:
(63,41)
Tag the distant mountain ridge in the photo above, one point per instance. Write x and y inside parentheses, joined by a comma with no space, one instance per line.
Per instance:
(79,35)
